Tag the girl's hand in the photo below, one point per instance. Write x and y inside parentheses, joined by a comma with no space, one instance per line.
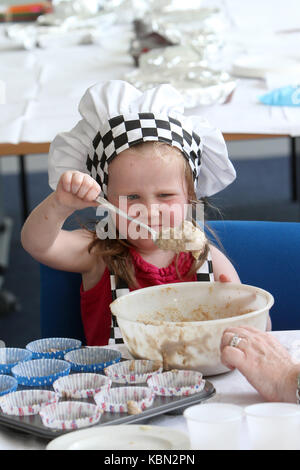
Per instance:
(224,278)
(76,190)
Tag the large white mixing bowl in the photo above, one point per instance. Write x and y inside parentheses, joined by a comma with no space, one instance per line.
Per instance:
(182,324)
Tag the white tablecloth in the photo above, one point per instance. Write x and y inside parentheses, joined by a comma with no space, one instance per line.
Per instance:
(44,86)
(230,387)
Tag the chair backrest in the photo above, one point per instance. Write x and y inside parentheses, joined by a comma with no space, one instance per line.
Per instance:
(265,254)
(60,304)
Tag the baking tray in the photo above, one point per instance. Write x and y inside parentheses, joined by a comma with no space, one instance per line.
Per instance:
(161,405)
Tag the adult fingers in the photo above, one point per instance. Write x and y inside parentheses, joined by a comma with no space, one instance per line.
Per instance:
(232,357)
(245,332)
(228,336)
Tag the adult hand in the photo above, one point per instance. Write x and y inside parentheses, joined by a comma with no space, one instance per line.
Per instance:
(264,362)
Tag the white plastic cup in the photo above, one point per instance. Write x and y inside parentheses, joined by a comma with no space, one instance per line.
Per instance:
(214,426)
(273,426)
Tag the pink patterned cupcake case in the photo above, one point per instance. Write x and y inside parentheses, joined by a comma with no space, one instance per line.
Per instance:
(81,385)
(133,371)
(131,400)
(26,402)
(177,383)
(70,415)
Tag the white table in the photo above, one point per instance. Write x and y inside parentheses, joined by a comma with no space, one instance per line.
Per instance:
(231,387)
(54,79)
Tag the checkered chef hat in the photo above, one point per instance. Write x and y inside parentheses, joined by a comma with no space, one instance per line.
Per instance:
(116,116)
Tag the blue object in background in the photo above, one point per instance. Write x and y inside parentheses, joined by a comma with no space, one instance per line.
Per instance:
(285,96)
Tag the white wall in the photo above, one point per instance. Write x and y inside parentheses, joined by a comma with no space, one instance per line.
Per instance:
(279,147)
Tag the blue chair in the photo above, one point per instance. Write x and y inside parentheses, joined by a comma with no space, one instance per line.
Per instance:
(60,304)
(265,254)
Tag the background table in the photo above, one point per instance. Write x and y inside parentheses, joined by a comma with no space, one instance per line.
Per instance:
(45,101)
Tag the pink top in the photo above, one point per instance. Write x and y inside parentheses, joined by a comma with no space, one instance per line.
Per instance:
(95,312)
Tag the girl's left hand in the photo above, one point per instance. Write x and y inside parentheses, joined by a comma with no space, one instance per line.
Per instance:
(224,278)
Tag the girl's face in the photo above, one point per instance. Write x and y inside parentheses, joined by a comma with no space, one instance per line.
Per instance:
(148,187)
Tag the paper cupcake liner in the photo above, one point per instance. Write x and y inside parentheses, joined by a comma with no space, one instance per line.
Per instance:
(52,348)
(93,359)
(132,400)
(40,372)
(70,415)
(10,357)
(26,402)
(82,385)
(133,372)
(8,384)
(176,383)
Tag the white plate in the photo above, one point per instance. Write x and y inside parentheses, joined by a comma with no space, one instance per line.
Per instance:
(122,437)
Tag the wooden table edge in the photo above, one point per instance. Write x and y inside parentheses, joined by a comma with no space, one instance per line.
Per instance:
(34,148)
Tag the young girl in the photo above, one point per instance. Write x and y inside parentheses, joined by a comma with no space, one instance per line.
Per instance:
(139,150)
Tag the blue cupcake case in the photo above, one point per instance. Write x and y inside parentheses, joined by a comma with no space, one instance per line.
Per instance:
(8,384)
(40,372)
(52,348)
(9,357)
(92,359)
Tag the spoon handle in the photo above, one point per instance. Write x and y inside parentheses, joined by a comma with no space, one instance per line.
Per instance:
(108,205)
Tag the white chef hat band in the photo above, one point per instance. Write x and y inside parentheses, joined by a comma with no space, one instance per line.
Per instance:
(124,131)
